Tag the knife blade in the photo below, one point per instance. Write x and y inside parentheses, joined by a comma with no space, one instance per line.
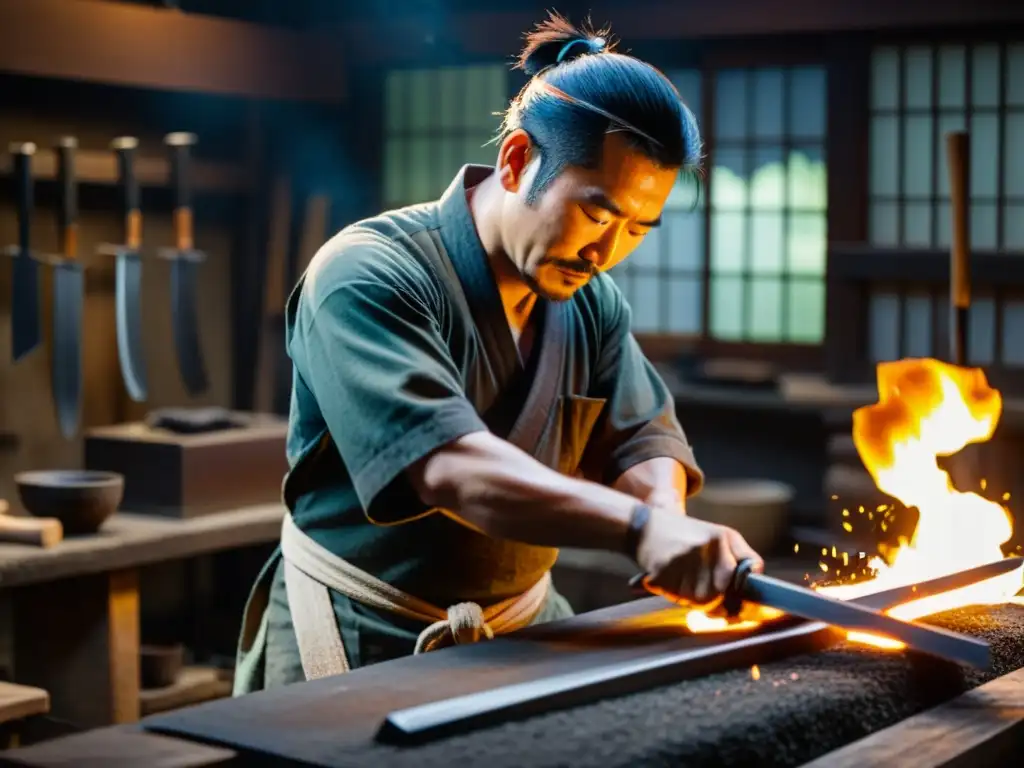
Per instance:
(748,586)
(128,275)
(68,290)
(185,268)
(25,326)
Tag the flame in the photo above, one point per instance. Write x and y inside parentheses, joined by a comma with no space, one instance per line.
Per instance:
(926,409)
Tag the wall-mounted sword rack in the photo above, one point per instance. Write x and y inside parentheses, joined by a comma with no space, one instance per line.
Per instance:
(68,280)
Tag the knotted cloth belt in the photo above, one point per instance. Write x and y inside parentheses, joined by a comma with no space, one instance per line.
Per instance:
(311,571)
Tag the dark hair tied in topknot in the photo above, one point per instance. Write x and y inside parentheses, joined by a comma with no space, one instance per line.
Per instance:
(556,41)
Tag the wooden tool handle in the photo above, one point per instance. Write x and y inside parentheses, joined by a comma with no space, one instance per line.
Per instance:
(24,186)
(35,531)
(67,204)
(180,146)
(124,149)
(959,159)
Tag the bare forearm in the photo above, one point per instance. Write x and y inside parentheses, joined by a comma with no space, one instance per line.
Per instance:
(661,481)
(502,491)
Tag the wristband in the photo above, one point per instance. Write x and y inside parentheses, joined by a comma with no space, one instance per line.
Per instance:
(637,522)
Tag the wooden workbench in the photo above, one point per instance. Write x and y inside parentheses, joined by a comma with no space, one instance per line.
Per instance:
(75,607)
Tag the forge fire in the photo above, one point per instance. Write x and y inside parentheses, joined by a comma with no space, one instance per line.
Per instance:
(926,410)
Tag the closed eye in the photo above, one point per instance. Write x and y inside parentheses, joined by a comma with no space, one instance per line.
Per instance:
(594,218)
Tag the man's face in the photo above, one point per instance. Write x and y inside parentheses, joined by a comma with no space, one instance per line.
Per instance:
(585,221)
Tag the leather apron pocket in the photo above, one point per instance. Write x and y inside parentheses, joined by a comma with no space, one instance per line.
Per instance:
(579,415)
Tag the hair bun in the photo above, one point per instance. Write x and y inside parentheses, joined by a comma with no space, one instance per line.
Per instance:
(556,41)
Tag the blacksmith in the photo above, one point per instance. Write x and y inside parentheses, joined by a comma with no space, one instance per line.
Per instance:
(468,396)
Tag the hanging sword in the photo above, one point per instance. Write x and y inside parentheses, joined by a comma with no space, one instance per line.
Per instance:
(185,261)
(128,274)
(68,296)
(25,325)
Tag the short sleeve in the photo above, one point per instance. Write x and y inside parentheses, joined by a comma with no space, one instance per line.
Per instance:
(639,422)
(371,351)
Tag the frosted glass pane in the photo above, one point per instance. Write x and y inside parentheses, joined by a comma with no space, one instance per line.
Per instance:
(729,179)
(984,158)
(395,101)
(981,332)
(883,322)
(1015,74)
(1013,227)
(449,94)
(688,83)
(917,224)
(687,194)
(952,75)
(983,226)
(728,239)
(947,124)
(476,150)
(768,103)
(474,98)
(766,243)
(421,184)
(395,172)
(985,76)
(807,243)
(808,97)
(885,78)
(684,231)
(917,83)
(1013,333)
(917,156)
(768,179)
(1014,158)
(883,224)
(917,326)
(943,224)
(450,158)
(648,253)
(764,314)
(726,308)
(685,302)
(645,302)
(805,316)
(807,179)
(496,95)
(731,104)
(885,167)
(422,111)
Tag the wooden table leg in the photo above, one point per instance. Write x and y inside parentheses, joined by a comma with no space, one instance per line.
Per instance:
(79,639)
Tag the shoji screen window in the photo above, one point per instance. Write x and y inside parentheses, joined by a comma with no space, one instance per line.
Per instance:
(663,279)
(436,121)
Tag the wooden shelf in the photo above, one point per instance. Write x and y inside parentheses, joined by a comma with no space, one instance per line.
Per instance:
(194,685)
(100,167)
(20,701)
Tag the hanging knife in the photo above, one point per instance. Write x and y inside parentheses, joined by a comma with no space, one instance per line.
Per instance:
(185,260)
(751,587)
(25,325)
(128,274)
(68,289)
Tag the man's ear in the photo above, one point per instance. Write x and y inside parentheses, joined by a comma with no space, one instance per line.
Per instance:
(513,157)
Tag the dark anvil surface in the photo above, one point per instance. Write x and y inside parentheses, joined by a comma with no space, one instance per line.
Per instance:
(800,708)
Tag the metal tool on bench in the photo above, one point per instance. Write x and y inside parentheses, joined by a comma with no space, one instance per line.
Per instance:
(25,325)
(749,586)
(459,714)
(185,260)
(128,273)
(68,296)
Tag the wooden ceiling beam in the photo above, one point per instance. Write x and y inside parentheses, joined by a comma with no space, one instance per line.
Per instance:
(157,48)
(499,34)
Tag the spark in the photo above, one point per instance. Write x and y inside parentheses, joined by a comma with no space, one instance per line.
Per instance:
(755,673)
